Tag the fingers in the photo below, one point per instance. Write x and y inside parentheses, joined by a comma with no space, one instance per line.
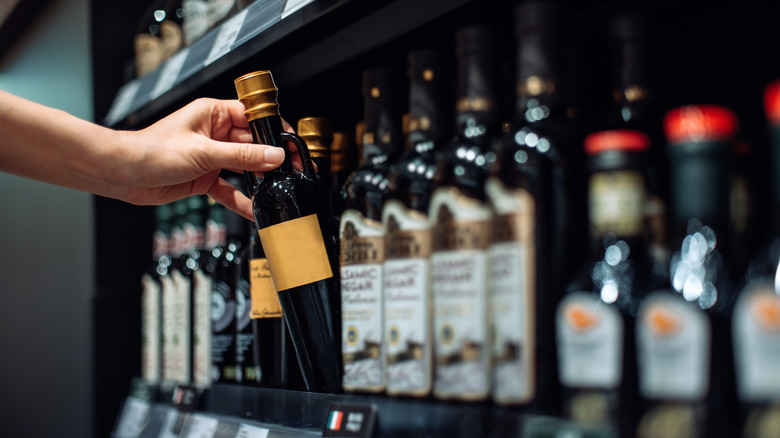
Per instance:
(232,198)
(244,156)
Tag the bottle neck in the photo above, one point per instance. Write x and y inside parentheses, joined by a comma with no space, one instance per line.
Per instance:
(477,106)
(539,77)
(267,130)
(429,123)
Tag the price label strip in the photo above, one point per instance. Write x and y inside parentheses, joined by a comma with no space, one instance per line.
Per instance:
(185,399)
(226,37)
(200,426)
(248,431)
(135,416)
(294,5)
(169,73)
(350,421)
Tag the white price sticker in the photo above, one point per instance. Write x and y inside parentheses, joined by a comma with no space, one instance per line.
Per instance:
(247,431)
(169,73)
(294,5)
(169,424)
(202,426)
(122,102)
(135,415)
(227,35)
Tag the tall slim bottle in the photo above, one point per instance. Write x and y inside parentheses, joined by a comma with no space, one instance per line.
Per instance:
(530,191)
(408,313)
(362,236)
(201,284)
(683,333)
(755,323)
(151,298)
(595,319)
(461,221)
(177,319)
(285,209)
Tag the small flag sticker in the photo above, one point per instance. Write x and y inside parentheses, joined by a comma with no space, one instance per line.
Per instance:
(349,421)
(334,422)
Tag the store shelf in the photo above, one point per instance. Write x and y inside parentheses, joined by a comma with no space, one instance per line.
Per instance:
(257,29)
(223,409)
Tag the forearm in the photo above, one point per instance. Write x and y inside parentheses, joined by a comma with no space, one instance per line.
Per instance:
(53,146)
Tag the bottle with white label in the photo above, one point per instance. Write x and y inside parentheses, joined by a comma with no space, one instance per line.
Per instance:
(684,349)
(152,283)
(528,192)
(595,318)
(461,222)
(755,322)
(362,236)
(408,313)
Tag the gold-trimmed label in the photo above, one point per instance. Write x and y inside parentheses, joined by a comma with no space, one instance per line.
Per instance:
(474,104)
(535,86)
(296,252)
(265,301)
(617,203)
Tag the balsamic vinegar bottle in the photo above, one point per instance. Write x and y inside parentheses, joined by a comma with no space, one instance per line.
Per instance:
(225,301)
(635,106)
(177,317)
(151,298)
(595,319)
(147,42)
(530,191)
(247,369)
(461,219)
(343,161)
(285,208)
(408,312)
(683,339)
(755,323)
(201,284)
(362,236)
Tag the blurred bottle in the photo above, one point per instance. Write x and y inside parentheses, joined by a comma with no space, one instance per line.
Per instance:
(221,10)
(343,161)
(362,236)
(196,22)
(683,333)
(635,106)
(461,219)
(407,274)
(756,319)
(148,43)
(202,285)
(151,297)
(595,320)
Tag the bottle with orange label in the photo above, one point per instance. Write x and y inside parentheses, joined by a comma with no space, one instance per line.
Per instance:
(595,319)
(285,207)
(683,337)
(756,317)
(362,236)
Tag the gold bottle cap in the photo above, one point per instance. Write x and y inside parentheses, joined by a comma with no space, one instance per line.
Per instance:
(340,150)
(318,134)
(257,92)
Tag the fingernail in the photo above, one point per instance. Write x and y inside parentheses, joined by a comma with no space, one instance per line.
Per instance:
(274,154)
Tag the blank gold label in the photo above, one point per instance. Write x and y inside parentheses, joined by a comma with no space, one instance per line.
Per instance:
(265,301)
(296,252)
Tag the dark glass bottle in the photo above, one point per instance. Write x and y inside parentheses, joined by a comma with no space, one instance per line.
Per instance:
(225,301)
(343,161)
(595,319)
(247,369)
(151,298)
(461,220)
(202,285)
(755,323)
(683,340)
(171,35)
(216,236)
(362,237)
(635,106)
(537,213)
(407,274)
(285,208)
(147,43)
(177,316)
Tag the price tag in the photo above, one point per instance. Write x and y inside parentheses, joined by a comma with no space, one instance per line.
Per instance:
(247,431)
(226,37)
(171,420)
(169,73)
(348,421)
(201,426)
(135,415)
(294,5)
(121,105)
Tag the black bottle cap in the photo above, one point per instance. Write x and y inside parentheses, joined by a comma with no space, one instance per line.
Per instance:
(538,16)
(382,111)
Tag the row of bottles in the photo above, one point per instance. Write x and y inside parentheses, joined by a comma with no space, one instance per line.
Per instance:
(168,25)
(604,275)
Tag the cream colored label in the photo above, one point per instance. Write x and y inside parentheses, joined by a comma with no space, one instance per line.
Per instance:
(176,328)
(362,243)
(673,348)
(171,36)
(407,294)
(756,329)
(296,252)
(512,259)
(590,340)
(201,343)
(151,334)
(148,53)
(265,301)
(617,202)
(460,288)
